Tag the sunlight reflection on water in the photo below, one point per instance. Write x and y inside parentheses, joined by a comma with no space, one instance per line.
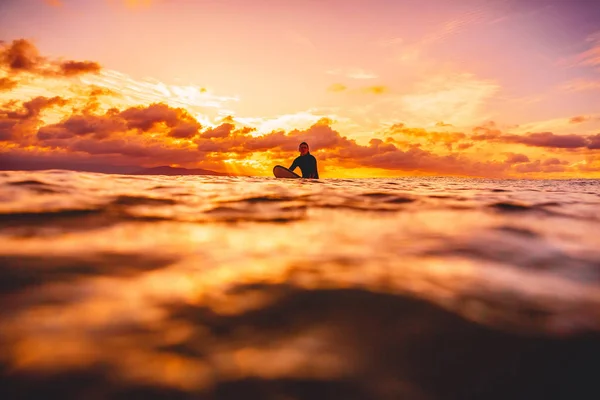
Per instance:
(197,284)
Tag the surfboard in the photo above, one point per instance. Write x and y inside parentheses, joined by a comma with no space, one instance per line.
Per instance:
(283,172)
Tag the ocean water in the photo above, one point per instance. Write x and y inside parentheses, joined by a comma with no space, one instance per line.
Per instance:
(116,286)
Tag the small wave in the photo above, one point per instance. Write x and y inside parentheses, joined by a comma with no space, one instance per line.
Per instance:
(263,199)
(47,217)
(510,207)
(26,183)
(388,198)
(36,186)
(518,231)
(142,201)
(19,272)
(239,214)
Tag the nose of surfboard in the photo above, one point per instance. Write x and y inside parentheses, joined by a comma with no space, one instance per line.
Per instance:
(282,172)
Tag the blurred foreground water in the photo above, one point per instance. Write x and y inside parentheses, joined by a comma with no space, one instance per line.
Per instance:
(117,286)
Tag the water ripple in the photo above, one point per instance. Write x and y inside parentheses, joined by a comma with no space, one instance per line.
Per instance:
(250,287)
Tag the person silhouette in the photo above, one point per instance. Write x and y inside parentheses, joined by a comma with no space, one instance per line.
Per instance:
(306,162)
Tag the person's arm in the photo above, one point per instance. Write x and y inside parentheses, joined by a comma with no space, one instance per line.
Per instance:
(316,174)
(294,165)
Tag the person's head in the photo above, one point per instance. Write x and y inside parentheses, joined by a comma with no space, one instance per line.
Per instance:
(303,148)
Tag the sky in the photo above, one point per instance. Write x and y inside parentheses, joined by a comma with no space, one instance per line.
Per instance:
(378,88)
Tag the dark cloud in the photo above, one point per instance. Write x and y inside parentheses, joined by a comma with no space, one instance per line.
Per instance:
(7,127)
(173,122)
(70,68)
(553,161)
(21,55)
(180,122)
(36,159)
(185,130)
(578,119)
(594,142)
(516,158)
(488,131)
(539,166)
(418,160)
(221,131)
(17,123)
(464,146)
(548,139)
(34,107)
(81,125)
(133,150)
(537,139)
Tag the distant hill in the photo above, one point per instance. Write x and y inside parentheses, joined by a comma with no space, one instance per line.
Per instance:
(9,162)
(166,170)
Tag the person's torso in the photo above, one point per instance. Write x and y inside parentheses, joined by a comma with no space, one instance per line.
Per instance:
(306,164)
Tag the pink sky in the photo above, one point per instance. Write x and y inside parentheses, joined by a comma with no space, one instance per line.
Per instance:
(364,65)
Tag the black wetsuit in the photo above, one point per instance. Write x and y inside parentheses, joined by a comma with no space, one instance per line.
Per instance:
(307,164)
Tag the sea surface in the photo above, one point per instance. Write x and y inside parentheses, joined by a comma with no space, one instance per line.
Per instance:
(115,286)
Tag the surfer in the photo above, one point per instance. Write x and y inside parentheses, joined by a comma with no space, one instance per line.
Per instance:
(306,162)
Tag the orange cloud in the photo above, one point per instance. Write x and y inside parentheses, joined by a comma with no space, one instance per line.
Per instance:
(376,89)
(578,119)
(446,139)
(7,84)
(336,87)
